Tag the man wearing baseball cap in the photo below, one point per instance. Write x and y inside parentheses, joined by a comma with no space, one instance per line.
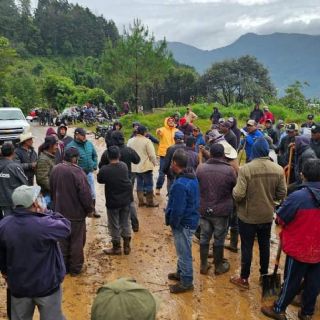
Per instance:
(253,134)
(88,160)
(292,130)
(27,156)
(225,128)
(30,257)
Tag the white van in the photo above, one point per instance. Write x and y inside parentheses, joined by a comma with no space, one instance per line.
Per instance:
(12,124)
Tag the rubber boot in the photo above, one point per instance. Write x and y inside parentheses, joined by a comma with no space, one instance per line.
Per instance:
(233,246)
(150,200)
(204,267)
(221,265)
(140,196)
(126,245)
(115,250)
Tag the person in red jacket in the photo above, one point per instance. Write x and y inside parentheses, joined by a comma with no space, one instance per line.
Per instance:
(267,115)
(300,219)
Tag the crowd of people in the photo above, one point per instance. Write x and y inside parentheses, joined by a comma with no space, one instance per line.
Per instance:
(220,180)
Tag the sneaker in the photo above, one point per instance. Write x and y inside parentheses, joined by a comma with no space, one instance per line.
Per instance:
(174,276)
(238,281)
(303,317)
(269,312)
(179,288)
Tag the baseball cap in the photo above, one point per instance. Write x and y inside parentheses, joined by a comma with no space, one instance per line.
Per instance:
(221,120)
(269,120)
(80,131)
(25,196)
(292,127)
(315,128)
(310,116)
(251,122)
(178,135)
(62,125)
(71,153)
(124,299)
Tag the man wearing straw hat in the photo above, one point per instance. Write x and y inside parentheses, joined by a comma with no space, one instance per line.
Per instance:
(27,156)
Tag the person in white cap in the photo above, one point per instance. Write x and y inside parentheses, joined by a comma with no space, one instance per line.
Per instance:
(27,156)
(30,257)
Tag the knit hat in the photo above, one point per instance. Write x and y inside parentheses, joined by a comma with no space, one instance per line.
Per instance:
(25,196)
(182,121)
(260,148)
(124,299)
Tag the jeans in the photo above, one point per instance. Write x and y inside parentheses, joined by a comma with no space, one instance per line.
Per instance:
(295,272)
(118,223)
(90,178)
(49,307)
(247,234)
(216,226)
(145,181)
(233,221)
(183,244)
(162,175)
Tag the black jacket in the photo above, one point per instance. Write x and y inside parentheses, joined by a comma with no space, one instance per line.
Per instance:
(117,185)
(26,158)
(168,158)
(231,139)
(11,177)
(127,154)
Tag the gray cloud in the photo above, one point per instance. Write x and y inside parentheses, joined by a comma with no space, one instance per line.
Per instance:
(210,24)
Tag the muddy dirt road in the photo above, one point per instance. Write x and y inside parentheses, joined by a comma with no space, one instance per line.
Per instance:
(152,258)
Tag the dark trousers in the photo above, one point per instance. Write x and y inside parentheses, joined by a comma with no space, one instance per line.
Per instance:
(247,234)
(72,247)
(216,226)
(162,175)
(296,271)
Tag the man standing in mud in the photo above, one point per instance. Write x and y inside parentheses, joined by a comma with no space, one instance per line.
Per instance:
(183,217)
(71,196)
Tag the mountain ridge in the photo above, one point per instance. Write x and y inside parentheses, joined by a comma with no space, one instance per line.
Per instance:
(288,56)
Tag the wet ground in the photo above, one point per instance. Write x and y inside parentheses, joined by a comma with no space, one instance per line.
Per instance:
(152,258)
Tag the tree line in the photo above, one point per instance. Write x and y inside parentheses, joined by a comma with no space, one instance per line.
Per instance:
(62,54)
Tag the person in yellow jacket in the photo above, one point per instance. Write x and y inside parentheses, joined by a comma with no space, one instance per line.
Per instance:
(166,137)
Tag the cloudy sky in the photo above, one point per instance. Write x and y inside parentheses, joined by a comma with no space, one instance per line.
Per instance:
(210,24)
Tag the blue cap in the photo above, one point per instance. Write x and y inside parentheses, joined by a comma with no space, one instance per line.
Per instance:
(179,135)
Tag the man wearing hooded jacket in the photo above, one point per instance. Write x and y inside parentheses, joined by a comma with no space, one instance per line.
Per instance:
(260,183)
(299,216)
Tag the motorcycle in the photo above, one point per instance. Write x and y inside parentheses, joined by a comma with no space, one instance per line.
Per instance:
(101,131)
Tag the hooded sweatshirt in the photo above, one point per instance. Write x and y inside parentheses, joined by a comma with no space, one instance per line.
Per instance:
(300,219)
(64,139)
(11,176)
(166,135)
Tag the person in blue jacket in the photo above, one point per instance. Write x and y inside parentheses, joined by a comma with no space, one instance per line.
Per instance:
(252,134)
(30,257)
(88,160)
(199,138)
(182,216)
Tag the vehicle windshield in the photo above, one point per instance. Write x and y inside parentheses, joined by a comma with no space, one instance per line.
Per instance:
(11,115)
